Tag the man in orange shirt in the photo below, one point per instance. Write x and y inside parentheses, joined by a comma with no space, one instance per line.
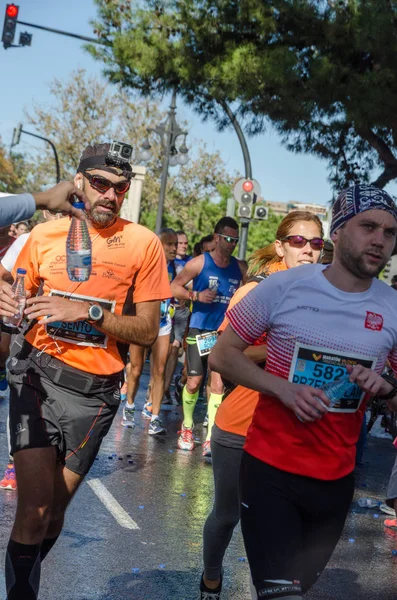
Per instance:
(65,375)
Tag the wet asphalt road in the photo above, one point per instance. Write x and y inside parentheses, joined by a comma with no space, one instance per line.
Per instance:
(167,494)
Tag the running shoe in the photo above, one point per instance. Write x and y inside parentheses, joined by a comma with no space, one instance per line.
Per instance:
(207,593)
(123,392)
(205,422)
(147,410)
(185,440)
(206,448)
(391,523)
(3,380)
(155,427)
(388,510)
(128,419)
(9,481)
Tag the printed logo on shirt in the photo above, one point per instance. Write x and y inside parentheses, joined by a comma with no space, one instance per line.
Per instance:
(115,242)
(373,321)
(312,308)
(109,274)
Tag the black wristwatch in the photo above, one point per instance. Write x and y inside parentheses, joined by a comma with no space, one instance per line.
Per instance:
(393,381)
(95,313)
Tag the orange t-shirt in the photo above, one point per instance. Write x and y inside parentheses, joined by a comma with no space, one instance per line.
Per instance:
(236,411)
(128,267)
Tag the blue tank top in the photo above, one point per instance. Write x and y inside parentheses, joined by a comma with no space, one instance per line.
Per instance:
(210,316)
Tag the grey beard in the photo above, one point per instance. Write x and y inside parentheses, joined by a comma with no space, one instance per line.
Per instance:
(103,221)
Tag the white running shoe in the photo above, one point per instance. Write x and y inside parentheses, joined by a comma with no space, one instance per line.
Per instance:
(128,419)
(185,440)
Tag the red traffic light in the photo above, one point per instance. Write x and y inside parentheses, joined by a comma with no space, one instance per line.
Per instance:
(248,186)
(12,11)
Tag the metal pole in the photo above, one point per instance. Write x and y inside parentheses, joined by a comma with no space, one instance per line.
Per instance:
(163,187)
(242,249)
(167,132)
(61,32)
(40,137)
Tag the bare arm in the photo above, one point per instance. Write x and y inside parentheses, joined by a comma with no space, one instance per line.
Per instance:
(60,199)
(141,329)
(243,269)
(256,353)
(189,272)
(5,275)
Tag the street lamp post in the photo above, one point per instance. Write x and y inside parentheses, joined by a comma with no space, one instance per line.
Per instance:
(168,131)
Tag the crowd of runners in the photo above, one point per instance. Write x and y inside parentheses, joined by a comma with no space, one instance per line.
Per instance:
(264,338)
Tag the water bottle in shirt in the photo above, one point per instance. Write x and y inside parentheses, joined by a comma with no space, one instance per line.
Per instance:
(337,390)
(20,296)
(78,249)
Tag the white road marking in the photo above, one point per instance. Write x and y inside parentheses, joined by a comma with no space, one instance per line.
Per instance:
(110,502)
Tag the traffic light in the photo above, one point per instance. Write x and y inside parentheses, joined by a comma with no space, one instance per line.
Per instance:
(10,23)
(246,200)
(25,39)
(261,212)
(246,193)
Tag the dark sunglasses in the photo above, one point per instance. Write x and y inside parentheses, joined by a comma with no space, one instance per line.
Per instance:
(298,241)
(229,238)
(101,184)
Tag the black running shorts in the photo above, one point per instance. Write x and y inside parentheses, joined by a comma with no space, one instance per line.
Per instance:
(42,414)
(196,364)
(291,525)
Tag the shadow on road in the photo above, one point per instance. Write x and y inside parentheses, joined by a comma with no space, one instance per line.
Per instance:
(159,584)
(333,584)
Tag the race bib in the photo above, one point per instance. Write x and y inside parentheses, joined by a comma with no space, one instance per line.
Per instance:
(319,366)
(205,342)
(81,333)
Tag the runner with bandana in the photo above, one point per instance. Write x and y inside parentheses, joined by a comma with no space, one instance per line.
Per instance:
(322,322)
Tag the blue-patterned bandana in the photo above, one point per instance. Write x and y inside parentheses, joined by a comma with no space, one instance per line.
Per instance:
(358,199)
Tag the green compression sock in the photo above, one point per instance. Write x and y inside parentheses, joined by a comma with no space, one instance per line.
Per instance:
(189,402)
(213,405)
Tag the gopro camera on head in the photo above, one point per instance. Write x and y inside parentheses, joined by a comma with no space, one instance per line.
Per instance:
(119,154)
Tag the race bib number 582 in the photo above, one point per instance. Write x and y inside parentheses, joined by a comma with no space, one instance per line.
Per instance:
(318,366)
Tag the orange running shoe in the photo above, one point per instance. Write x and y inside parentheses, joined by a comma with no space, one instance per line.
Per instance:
(9,481)
(391,523)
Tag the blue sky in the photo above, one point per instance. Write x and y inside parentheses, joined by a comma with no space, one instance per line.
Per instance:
(26,72)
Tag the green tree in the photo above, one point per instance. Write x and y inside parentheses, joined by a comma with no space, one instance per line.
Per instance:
(85,110)
(323,73)
(13,171)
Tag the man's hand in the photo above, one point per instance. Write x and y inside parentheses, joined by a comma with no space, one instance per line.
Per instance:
(308,403)
(206,296)
(54,308)
(369,381)
(60,198)
(8,306)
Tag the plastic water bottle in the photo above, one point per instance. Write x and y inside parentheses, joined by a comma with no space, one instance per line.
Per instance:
(78,249)
(334,391)
(368,503)
(337,390)
(20,296)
